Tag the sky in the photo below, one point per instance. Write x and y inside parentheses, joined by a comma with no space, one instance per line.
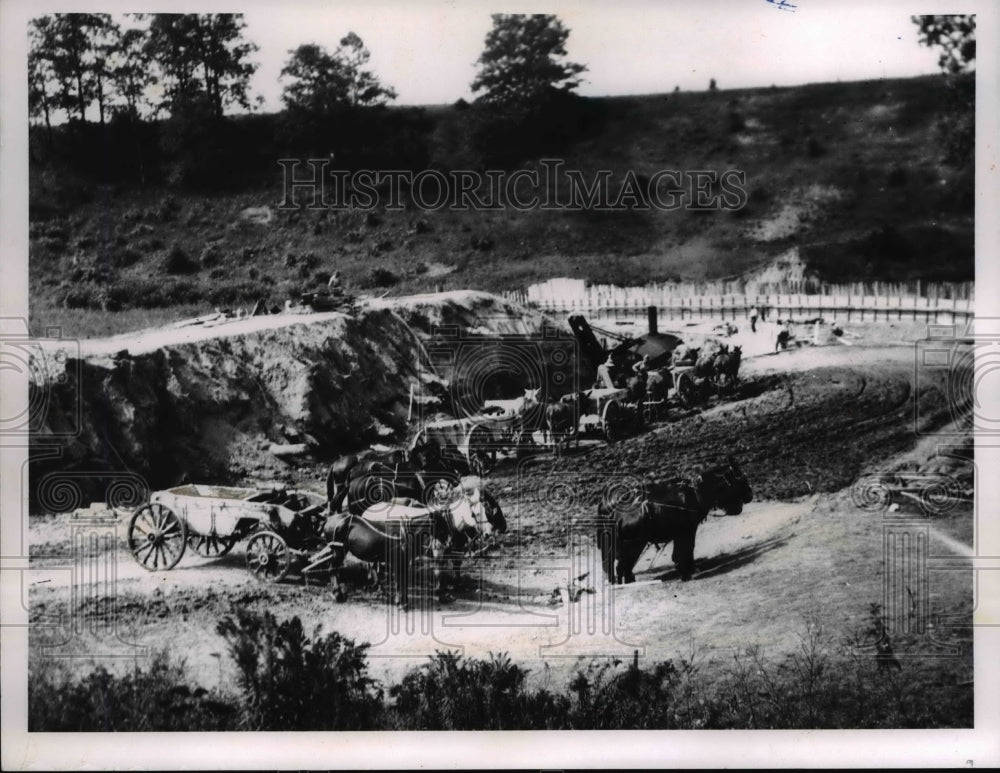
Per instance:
(427,49)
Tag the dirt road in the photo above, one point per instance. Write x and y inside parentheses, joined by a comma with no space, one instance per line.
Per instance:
(804,425)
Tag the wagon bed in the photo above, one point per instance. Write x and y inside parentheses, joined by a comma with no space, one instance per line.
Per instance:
(212,519)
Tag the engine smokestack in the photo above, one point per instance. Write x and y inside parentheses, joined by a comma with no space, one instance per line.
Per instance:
(651,311)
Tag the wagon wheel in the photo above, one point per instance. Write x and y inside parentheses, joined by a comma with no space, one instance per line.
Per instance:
(156,537)
(212,545)
(686,390)
(268,557)
(613,420)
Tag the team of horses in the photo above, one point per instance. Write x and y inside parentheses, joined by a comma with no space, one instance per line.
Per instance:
(395,508)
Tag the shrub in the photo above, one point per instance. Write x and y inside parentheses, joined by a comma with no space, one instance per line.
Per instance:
(454,693)
(126,256)
(83,296)
(158,698)
(145,293)
(168,208)
(607,698)
(813,688)
(381,277)
(236,293)
(176,261)
(211,255)
(291,681)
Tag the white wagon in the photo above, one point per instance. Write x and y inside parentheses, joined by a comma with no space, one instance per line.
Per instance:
(212,519)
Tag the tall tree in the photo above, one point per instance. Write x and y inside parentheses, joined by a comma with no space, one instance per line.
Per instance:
(364,88)
(104,39)
(320,82)
(955,35)
(527,107)
(202,56)
(525,59)
(75,59)
(42,82)
(132,72)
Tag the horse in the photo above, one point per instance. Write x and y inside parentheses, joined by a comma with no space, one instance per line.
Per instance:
(727,365)
(561,419)
(398,531)
(685,355)
(663,512)
(355,477)
(705,366)
(658,384)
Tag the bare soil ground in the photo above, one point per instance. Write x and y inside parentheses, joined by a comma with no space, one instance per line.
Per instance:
(804,424)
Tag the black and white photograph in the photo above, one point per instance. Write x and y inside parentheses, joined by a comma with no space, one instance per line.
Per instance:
(372,372)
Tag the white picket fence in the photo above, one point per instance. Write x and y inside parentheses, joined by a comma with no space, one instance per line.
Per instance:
(936,303)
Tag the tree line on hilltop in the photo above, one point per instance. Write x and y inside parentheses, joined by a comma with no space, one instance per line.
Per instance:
(154,98)
(166,98)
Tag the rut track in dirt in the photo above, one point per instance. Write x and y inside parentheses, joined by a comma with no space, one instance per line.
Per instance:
(796,433)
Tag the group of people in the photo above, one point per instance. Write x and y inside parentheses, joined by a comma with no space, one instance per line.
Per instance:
(784,335)
(607,369)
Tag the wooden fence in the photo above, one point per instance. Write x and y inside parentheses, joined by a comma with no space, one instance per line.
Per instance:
(943,304)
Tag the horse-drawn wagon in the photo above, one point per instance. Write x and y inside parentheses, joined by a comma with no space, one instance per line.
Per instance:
(474,442)
(286,528)
(610,412)
(278,524)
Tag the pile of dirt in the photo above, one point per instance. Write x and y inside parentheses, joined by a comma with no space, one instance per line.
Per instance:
(178,405)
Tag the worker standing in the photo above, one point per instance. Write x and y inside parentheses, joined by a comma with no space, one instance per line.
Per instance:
(604,373)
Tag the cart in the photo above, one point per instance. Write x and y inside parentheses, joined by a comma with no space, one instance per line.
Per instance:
(475,440)
(279,525)
(608,412)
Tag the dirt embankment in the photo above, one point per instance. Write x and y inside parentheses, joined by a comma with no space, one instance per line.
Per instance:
(197,403)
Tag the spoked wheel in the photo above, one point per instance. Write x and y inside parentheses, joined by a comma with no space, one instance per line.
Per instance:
(613,420)
(686,390)
(156,537)
(211,545)
(268,557)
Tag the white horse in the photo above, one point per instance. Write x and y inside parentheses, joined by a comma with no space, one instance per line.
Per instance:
(447,532)
(518,406)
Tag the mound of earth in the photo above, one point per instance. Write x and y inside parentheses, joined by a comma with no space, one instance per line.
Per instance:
(197,403)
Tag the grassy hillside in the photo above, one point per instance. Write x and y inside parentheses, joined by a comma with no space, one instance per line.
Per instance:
(849,177)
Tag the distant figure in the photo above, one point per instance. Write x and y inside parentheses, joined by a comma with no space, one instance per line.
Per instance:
(334,285)
(753,319)
(604,371)
(781,342)
(641,368)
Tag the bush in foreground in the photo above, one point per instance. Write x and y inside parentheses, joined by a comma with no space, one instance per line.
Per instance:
(455,693)
(157,698)
(288,680)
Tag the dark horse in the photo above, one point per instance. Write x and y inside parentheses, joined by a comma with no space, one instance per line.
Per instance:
(396,533)
(363,480)
(561,419)
(668,511)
